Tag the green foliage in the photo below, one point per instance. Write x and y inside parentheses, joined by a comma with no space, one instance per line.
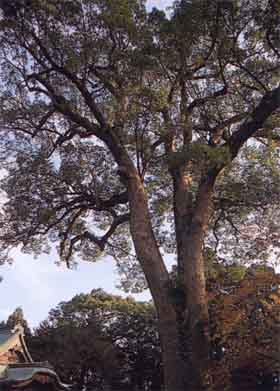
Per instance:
(101,340)
(202,155)
(237,272)
(17,318)
(247,206)
(245,325)
(113,59)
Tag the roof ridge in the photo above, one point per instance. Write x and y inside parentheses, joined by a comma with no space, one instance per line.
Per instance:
(40,364)
(8,338)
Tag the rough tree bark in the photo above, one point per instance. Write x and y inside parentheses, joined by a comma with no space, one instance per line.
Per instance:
(158,281)
(195,287)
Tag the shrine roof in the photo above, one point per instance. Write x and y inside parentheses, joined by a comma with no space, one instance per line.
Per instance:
(9,338)
(24,374)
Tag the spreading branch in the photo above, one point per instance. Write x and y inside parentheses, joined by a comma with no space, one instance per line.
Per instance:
(267,106)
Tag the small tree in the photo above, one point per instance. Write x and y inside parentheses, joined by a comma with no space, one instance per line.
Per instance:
(126,130)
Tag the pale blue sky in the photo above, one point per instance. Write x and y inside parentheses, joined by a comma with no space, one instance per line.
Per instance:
(158,3)
(39,285)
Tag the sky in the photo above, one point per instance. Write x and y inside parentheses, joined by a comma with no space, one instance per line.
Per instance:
(37,285)
(158,3)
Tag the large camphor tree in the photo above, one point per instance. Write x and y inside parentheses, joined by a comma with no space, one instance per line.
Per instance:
(137,134)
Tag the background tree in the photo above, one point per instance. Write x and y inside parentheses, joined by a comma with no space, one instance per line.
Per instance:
(244,313)
(96,340)
(126,130)
(17,318)
(244,308)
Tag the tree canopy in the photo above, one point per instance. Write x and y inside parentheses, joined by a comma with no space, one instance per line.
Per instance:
(133,134)
(138,74)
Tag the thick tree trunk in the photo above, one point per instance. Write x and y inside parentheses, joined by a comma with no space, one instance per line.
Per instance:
(158,281)
(182,205)
(153,266)
(190,224)
(174,367)
(195,286)
(197,317)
